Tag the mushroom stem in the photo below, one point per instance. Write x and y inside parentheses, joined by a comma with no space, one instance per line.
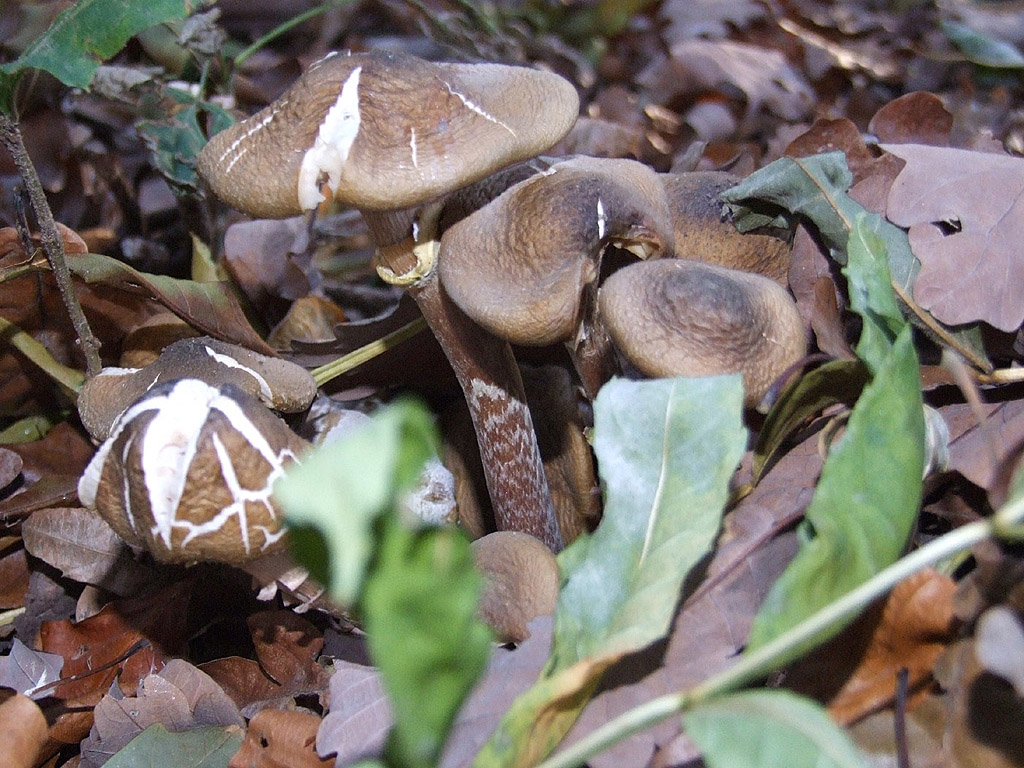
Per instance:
(592,351)
(490,381)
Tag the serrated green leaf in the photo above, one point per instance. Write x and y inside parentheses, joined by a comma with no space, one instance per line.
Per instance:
(91,31)
(343,489)
(666,450)
(211,747)
(756,729)
(982,49)
(865,504)
(424,636)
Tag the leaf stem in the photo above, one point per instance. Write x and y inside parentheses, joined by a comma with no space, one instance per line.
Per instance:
(367,352)
(53,244)
(1007,523)
(280,29)
(70,380)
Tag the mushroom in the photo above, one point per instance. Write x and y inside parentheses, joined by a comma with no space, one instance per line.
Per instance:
(280,384)
(704,231)
(674,317)
(520,582)
(390,134)
(187,471)
(525,266)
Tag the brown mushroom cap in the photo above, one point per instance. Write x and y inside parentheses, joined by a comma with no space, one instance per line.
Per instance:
(518,266)
(385,131)
(682,318)
(521,582)
(187,474)
(280,384)
(704,231)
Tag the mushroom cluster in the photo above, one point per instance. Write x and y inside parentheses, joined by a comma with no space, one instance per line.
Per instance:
(499,247)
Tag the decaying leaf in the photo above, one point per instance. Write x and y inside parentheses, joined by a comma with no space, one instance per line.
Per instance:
(179,696)
(26,670)
(359,719)
(280,739)
(83,547)
(856,673)
(965,213)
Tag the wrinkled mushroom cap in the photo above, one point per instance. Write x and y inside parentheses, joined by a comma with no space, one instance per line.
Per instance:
(521,582)
(280,384)
(187,473)
(385,131)
(704,231)
(684,318)
(519,265)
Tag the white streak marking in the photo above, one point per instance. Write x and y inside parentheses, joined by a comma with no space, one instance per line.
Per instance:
(230,362)
(601,220)
(333,142)
(413,148)
(234,145)
(476,109)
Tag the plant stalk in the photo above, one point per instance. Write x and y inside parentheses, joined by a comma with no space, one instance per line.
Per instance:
(53,244)
(367,352)
(760,662)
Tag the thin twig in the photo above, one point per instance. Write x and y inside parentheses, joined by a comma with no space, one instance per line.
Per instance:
(900,719)
(53,244)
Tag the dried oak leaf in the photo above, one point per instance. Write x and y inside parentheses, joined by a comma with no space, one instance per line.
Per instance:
(965,214)
(84,548)
(359,719)
(280,739)
(913,118)
(763,75)
(856,672)
(179,696)
(287,647)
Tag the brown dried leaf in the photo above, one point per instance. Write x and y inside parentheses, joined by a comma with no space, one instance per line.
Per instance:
(913,118)
(65,450)
(280,739)
(83,547)
(180,697)
(10,467)
(287,647)
(210,307)
(763,75)
(14,578)
(828,136)
(974,273)
(359,719)
(856,672)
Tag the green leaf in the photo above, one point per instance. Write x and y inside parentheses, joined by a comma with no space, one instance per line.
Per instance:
(336,497)
(666,450)
(865,504)
(870,288)
(85,35)
(755,729)
(424,636)
(982,49)
(815,189)
(211,747)
(837,381)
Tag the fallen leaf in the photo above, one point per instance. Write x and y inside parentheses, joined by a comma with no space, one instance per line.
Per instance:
(913,118)
(198,748)
(14,578)
(856,672)
(711,19)
(359,718)
(280,739)
(25,670)
(83,547)
(999,645)
(180,697)
(965,214)
(762,74)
